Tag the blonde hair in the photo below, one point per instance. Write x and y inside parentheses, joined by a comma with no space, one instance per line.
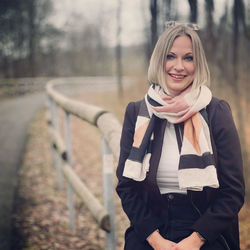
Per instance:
(156,70)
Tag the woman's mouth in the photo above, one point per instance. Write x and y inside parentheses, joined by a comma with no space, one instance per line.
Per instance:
(177,76)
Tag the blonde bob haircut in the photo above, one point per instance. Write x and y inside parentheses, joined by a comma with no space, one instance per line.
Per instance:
(156,70)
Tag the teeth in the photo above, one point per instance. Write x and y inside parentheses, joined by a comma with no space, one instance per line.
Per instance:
(177,77)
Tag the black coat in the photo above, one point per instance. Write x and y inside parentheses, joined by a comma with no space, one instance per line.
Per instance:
(219,208)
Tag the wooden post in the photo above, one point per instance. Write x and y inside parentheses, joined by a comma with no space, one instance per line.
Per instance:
(58,159)
(108,194)
(69,161)
(50,124)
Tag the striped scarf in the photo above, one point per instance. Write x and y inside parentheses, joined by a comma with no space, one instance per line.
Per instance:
(196,164)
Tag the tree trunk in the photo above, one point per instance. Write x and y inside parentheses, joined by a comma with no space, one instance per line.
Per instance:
(32,37)
(193,11)
(210,44)
(119,50)
(168,10)
(154,30)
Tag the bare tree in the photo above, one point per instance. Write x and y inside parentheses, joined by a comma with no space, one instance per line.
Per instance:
(147,44)
(193,11)
(23,26)
(165,13)
(168,10)
(210,39)
(118,49)
(238,18)
(32,36)
(154,30)
(223,58)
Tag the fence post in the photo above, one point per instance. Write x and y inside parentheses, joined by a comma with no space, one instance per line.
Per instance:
(50,123)
(108,194)
(69,161)
(58,159)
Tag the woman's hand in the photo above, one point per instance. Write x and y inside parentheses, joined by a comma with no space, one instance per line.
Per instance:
(192,242)
(157,242)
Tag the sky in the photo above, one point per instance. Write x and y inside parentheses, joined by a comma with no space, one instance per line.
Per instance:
(74,14)
(104,13)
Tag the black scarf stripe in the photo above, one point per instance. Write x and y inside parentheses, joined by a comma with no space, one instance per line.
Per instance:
(196,161)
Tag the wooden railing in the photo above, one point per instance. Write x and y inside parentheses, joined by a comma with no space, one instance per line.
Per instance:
(110,130)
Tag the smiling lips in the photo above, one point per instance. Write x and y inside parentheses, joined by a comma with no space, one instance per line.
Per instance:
(177,77)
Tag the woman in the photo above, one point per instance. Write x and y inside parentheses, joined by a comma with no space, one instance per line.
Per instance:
(180,168)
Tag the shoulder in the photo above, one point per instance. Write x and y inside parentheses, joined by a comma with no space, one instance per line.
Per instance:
(132,108)
(218,107)
(131,113)
(220,116)
(218,102)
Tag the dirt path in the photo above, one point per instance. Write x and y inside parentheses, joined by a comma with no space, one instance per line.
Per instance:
(15,116)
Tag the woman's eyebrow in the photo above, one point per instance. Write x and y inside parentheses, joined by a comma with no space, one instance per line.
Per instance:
(189,54)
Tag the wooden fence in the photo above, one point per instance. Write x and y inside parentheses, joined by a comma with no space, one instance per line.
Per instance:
(110,130)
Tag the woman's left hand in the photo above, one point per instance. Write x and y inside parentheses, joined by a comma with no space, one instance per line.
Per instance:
(192,242)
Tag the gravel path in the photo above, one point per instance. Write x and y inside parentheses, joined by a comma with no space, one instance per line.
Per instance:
(15,116)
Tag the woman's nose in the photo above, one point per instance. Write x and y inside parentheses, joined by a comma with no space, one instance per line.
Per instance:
(179,65)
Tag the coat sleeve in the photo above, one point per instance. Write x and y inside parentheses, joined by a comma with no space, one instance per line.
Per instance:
(134,205)
(229,198)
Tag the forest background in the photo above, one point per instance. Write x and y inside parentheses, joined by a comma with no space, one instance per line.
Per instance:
(46,38)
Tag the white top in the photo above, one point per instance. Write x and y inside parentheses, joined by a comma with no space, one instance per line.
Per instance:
(167,174)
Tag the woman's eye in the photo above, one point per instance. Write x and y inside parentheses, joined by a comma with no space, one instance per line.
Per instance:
(169,57)
(188,58)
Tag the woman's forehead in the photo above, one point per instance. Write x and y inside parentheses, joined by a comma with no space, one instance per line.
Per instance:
(182,43)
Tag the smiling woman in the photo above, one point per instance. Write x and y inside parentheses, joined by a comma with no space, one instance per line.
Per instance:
(180,168)
(179,66)
(179,50)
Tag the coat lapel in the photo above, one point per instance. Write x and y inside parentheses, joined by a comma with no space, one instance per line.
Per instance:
(160,126)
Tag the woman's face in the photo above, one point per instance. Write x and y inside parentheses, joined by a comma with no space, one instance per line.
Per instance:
(179,67)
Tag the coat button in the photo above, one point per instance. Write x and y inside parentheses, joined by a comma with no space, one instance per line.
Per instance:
(170,196)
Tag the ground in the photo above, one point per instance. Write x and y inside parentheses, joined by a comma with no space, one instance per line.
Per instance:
(41,216)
